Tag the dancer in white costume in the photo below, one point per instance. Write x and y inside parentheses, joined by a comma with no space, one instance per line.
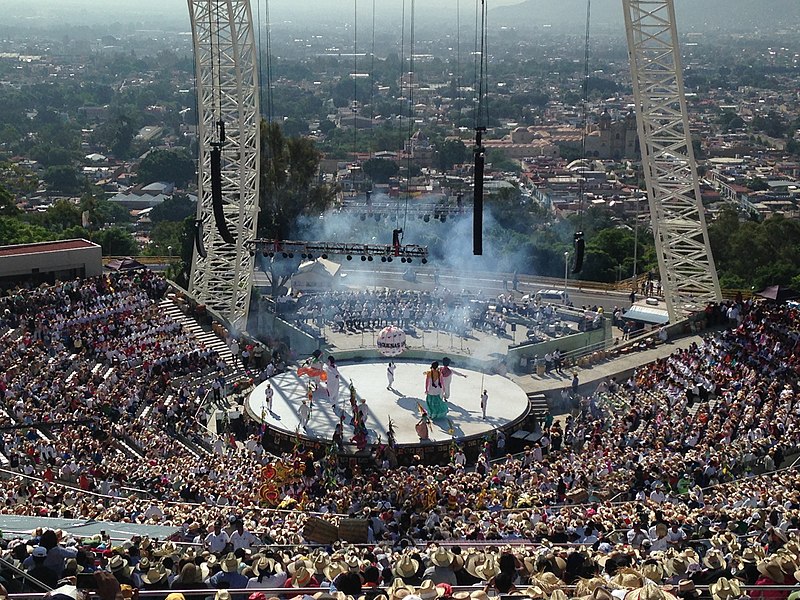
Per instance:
(390,375)
(332,375)
(447,377)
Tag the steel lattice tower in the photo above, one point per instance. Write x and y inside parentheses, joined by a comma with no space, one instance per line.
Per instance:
(227,91)
(688,276)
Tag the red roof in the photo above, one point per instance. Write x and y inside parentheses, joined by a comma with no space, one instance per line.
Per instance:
(40,247)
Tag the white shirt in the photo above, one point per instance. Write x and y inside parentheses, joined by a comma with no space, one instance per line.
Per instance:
(246,540)
(216,542)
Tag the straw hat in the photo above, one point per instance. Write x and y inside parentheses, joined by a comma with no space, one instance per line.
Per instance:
(479,595)
(714,559)
(771,569)
(653,571)
(686,587)
(725,588)
(333,570)
(405,566)
(117,563)
(649,592)
(602,593)
(300,562)
(628,578)
(222,595)
(488,569)
(230,564)
(535,592)
(301,577)
(427,590)
(154,576)
(441,557)
(263,564)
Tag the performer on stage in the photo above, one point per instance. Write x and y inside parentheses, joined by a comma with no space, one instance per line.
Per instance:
(422,428)
(312,367)
(447,376)
(433,393)
(390,375)
(269,393)
(484,402)
(332,375)
(305,413)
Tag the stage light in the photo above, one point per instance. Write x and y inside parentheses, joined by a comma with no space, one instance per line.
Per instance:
(383,259)
(377,218)
(285,255)
(424,261)
(443,218)
(363,258)
(303,256)
(271,254)
(402,260)
(427,218)
(363,217)
(369,258)
(408,260)
(291,254)
(252,252)
(265,254)
(349,257)
(325,256)
(388,259)
(310,257)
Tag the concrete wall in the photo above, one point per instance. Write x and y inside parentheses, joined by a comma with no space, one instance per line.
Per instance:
(564,344)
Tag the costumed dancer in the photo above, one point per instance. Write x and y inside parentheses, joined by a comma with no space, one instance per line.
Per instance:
(269,393)
(390,375)
(332,376)
(447,377)
(305,413)
(312,367)
(433,393)
(484,402)
(422,428)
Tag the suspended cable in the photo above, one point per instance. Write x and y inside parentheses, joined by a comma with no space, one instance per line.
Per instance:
(578,241)
(411,77)
(478,10)
(403,81)
(355,80)
(260,62)
(270,103)
(372,88)
(458,55)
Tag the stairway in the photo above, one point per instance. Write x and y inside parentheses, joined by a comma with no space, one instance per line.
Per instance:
(208,338)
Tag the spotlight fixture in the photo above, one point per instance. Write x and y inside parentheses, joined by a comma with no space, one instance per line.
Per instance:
(363,217)
(388,259)
(424,261)
(363,258)
(303,256)
(265,254)
(383,259)
(252,253)
(443,218)
(285,255)
(427,218)
(349,257)
(378,218)
(402,259)
(408,260)
(369,258)
(291,254)
(325,256)
(309,256)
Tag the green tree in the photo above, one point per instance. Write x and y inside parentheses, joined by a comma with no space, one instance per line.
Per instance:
(175,166)
(177,208)
(58,217)
(64,179)
(380,170)
(451,152)
(102,212)
(116,241)
(14,231)
(7,206)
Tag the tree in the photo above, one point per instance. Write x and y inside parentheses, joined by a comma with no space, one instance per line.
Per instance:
(7,206)
(177,208)
(14,231)
(103,212)
(380,170)
(175,166)
(451,152)
(116,241)
(64,179)
(58,217)
(288,182)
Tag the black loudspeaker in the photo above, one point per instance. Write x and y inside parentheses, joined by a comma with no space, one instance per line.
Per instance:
(513,327)
(580,247)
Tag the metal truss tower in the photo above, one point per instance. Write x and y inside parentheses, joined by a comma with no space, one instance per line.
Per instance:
(227,93)
(688,276)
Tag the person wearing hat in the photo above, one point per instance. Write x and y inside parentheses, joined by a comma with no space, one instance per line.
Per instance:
(229,576)
(686,590)
(157,578)
(44,574)
(441,567)
(190,578)
(406,568)
(302,577)
(120,570)
(267,573)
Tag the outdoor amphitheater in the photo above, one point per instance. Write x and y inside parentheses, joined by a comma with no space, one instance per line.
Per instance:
(138,439)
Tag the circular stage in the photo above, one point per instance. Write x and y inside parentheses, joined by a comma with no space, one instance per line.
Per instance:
(507,406)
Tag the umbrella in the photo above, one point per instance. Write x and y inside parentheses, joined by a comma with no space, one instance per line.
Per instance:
(125,264)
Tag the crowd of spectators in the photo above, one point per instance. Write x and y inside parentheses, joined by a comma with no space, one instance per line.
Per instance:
(668,476)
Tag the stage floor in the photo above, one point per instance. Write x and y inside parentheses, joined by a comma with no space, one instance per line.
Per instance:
(507,402)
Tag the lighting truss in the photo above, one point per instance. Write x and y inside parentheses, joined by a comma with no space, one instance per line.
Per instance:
(311,250)
(688,276)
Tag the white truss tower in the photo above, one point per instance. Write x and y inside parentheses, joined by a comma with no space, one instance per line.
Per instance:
(227,89)
(688,276)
